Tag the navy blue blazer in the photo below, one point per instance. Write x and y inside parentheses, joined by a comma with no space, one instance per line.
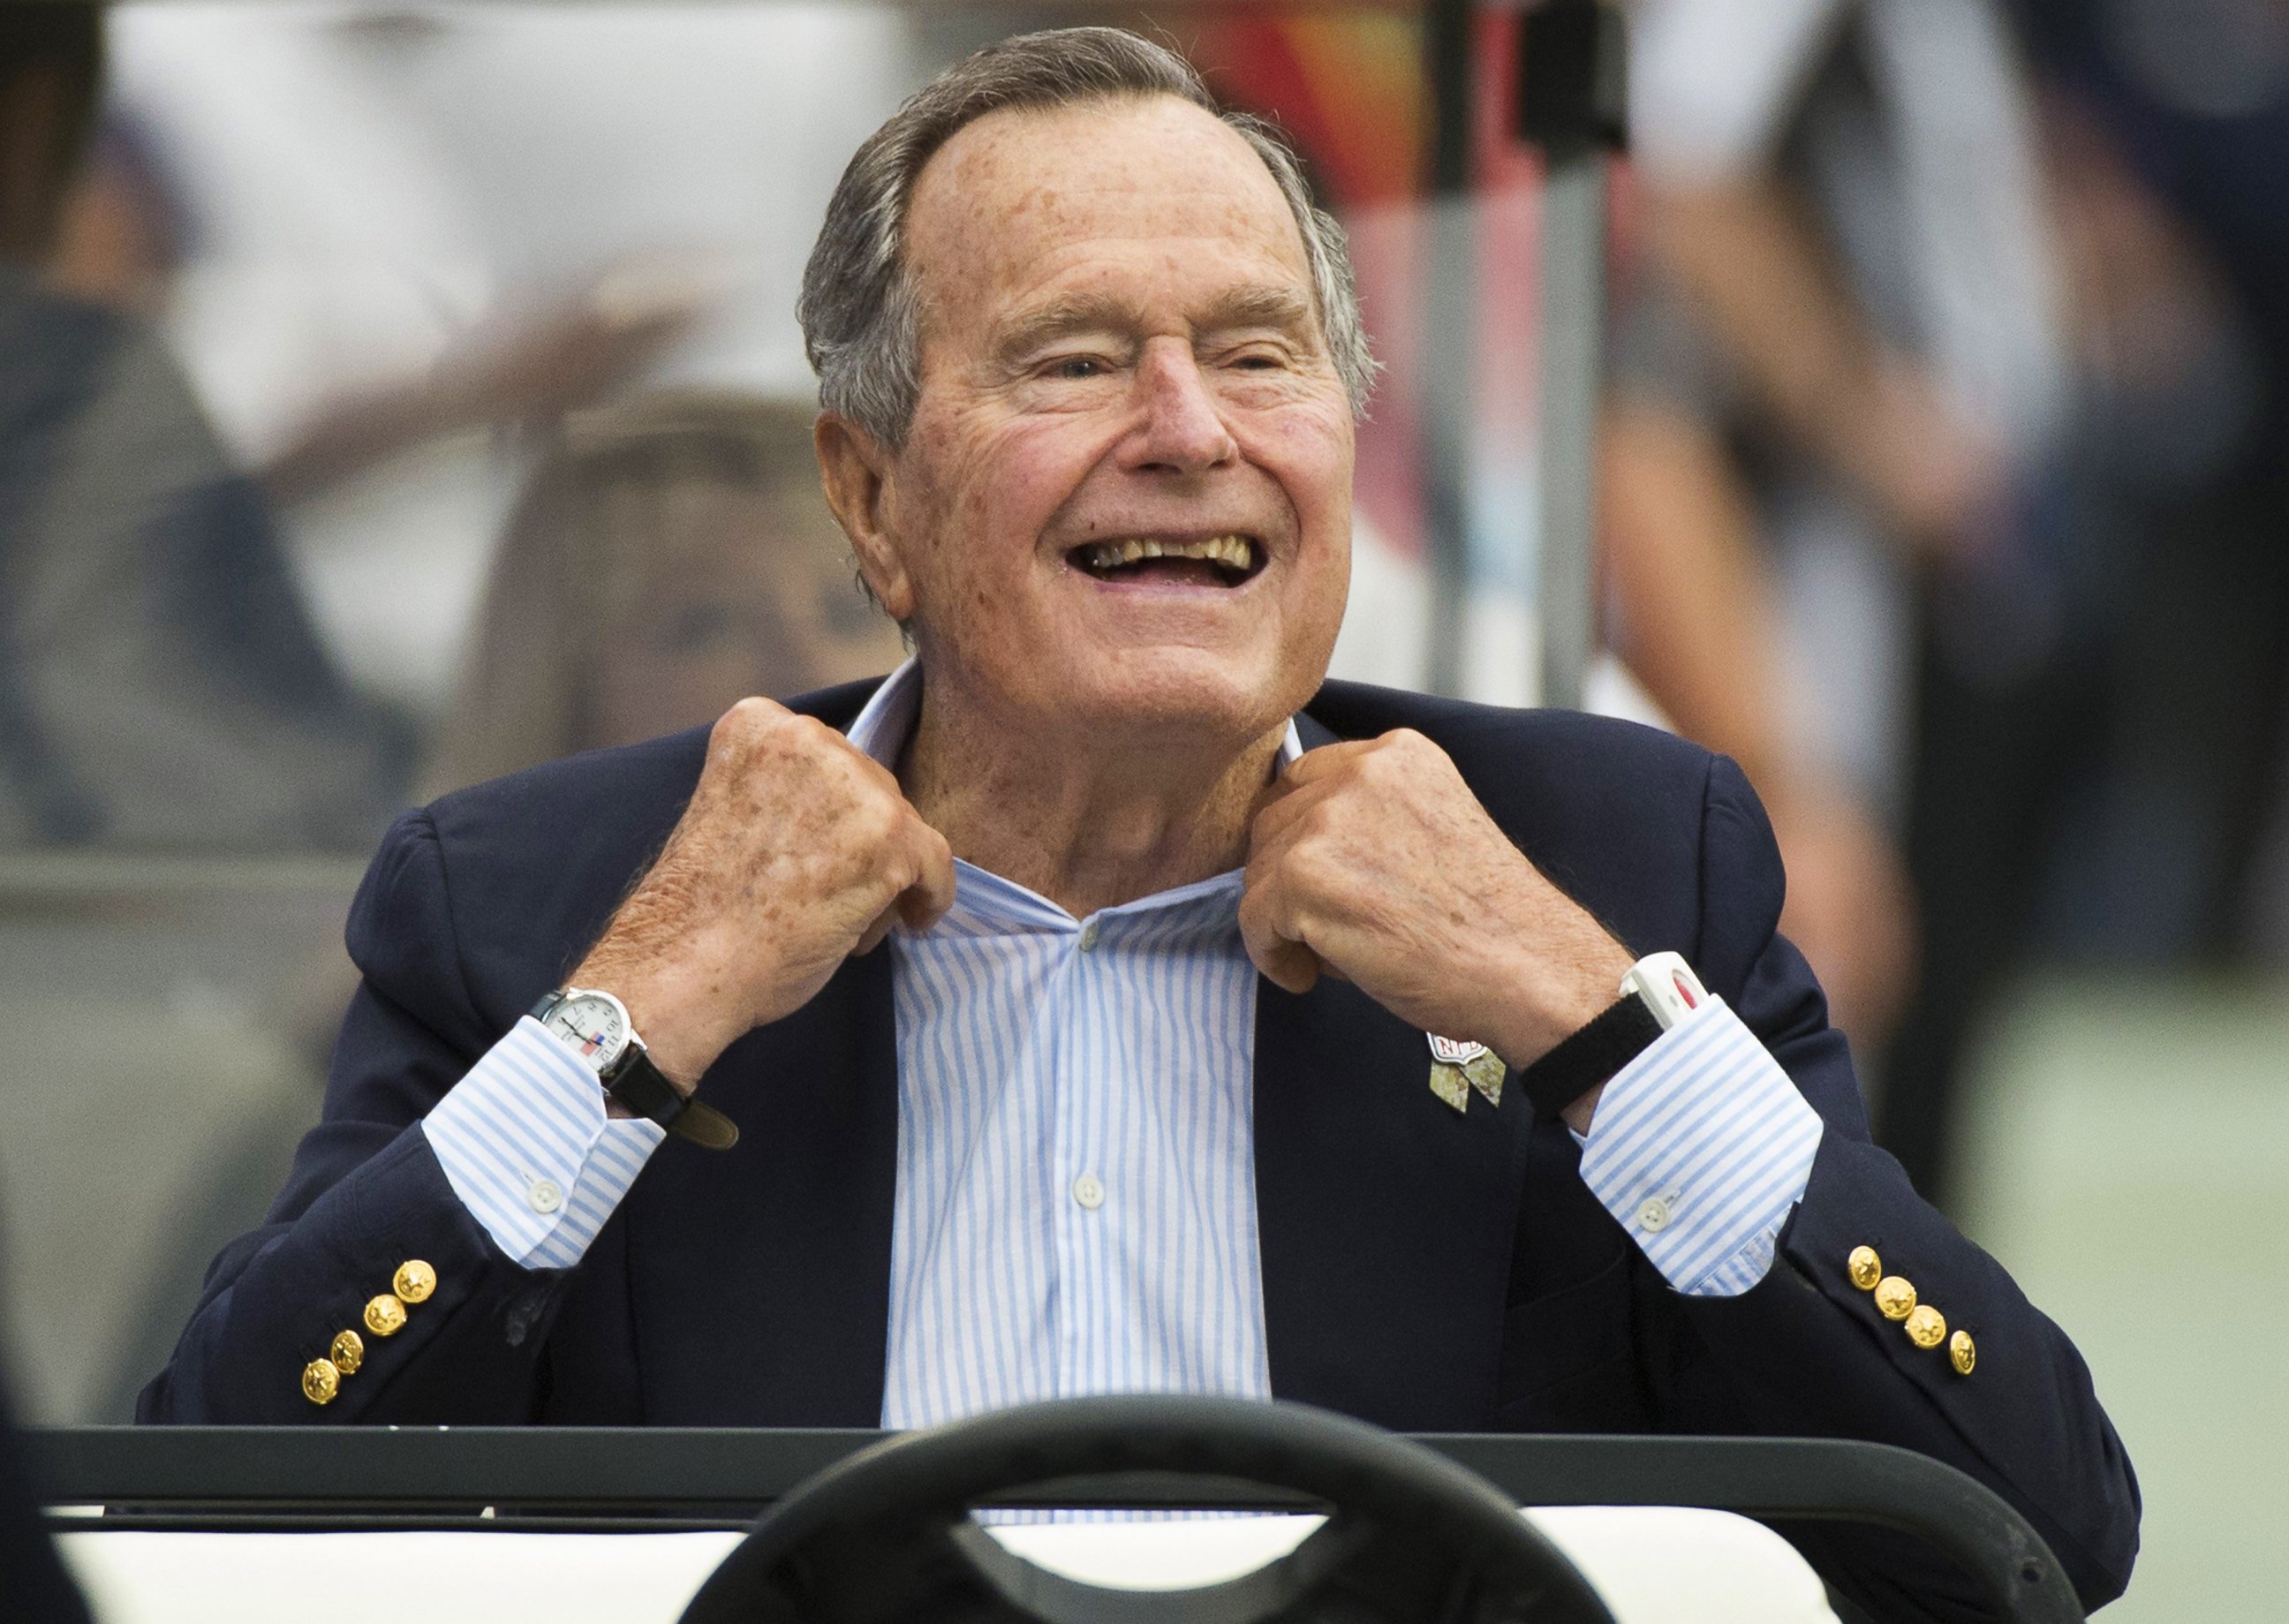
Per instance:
(1426,1270)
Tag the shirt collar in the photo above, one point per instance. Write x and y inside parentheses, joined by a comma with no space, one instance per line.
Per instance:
(887,722)
(985,904)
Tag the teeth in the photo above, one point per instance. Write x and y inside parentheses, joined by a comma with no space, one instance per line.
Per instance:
(1233,552)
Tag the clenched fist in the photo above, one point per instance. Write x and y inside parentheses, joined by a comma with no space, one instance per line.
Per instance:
(1372,861)
(797,850)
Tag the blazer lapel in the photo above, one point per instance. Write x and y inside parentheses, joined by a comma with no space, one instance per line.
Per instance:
(1385,1218)
(761,1275)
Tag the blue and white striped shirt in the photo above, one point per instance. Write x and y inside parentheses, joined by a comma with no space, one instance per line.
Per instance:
(1075,1207)
(1076,1193)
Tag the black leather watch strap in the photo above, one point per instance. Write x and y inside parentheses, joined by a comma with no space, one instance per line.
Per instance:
(1591,1056)
(642,1088)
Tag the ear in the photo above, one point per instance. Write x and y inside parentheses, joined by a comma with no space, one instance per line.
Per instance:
(855,469)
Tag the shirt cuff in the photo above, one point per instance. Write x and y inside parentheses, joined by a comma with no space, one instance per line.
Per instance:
(525,1143)
(1700,1148)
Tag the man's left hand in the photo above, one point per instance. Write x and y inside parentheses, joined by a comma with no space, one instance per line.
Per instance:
(1371,860)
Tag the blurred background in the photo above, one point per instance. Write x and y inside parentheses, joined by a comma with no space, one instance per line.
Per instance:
(392,397)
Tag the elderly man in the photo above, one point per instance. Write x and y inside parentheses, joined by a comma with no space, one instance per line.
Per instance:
(1463,1156)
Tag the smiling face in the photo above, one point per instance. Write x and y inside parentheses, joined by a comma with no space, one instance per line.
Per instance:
(1123,508)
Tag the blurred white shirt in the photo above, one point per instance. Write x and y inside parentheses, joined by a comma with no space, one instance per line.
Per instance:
(369,185)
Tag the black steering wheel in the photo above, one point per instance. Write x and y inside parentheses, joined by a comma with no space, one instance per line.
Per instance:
(886,1537)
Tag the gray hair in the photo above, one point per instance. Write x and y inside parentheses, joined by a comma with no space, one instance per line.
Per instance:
(861,320)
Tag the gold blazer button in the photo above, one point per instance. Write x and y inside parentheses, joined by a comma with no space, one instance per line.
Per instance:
(415,1281)
(384,1317)
(1895,1297)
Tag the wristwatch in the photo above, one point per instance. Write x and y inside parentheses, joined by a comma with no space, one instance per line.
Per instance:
(594,1026)
(1657,992)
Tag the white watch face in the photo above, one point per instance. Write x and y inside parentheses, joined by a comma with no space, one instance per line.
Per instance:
(593,1025)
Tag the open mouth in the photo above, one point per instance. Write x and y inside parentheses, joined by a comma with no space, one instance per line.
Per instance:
(1212,560)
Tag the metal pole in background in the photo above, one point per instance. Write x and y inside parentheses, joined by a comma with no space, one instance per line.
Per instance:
(1448,317)
(1572,88)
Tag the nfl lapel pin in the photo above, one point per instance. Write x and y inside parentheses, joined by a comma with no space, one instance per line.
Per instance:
(1457,1067)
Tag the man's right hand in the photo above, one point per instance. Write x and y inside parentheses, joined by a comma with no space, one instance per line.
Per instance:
(796,851)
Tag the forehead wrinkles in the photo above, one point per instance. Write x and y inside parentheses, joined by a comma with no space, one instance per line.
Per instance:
(1014,199)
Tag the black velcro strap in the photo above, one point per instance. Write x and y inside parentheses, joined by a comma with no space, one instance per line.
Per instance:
(1591,1056)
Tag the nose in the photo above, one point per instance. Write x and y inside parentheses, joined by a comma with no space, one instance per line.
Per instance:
(1183,431)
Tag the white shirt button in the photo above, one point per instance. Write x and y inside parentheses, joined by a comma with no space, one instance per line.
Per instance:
(1653,1215)
(1088,1189)
(544,1195)
(1089,935)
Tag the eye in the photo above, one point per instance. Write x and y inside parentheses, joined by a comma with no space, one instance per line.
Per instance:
(1076,367)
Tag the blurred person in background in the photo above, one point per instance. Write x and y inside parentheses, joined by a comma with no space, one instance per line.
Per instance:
(1853,344)
(1696,612)
(127,229)
(164,686)
(2171,141)
(1692,607)
(692,521)
(137,232)
(160,686)
(384,192)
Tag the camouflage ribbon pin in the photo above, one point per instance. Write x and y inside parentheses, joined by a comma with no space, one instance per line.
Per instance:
(1456,1068)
